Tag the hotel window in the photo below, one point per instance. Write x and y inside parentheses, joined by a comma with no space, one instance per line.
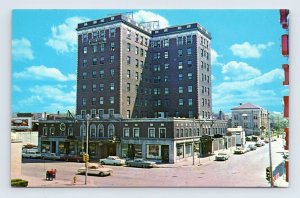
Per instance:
(137,38)
(190,102)
(83,101)
(136,132)
(207,67)
(207,79)
(142,52)
(207,91)
(100,112)
(166,43)
(190,76)
(128,33)
(112,32)
(84,87)
(112,86)
(94,61)
(85,50)
(101,87)
(128,73)
(179,41)
(191,115)
(128,114)
(146,41)
(202,102)
(112,46)
(111,130)
(128,100)
(180,77)
(162,133)
(84,62)
(166,66)
(180,89)
(94,87)
(101,60)
(112,100)
(94,102)
(128,60)
(94,48)
(101,73)
(125,132)
(179,52)
(84,37)
(189,51)
(112,59)
(84,75)
(112,72)
(111,112)
(136,75)
(102,34)
(180,102)
(70,132)
(102,47)
(95,35)
(208,103)
(189,63)
(190,89)
(141,40)
(180,66)
(83,113)
(101,100)
(94,74)
(151,132)
(128,47)
(166,91)
(128,87)
(137,62)
(166,54)
(52,130)
(45,131)
(189,39)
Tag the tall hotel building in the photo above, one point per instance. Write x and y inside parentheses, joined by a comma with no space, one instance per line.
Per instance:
(128,71)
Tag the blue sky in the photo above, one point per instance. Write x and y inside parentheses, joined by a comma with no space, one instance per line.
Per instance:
(246,59)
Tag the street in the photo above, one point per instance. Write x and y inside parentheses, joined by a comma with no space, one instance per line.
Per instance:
(246,170)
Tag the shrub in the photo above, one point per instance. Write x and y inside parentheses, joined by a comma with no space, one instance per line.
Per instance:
(19,183)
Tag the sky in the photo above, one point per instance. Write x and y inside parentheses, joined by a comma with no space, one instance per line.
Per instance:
(246,55)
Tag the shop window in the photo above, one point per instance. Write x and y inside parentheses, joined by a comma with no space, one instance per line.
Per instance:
(153,151)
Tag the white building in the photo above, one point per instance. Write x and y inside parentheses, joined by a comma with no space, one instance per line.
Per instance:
(252,118)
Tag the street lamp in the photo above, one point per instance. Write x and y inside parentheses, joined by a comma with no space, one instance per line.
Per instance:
(87,147)
(270,152)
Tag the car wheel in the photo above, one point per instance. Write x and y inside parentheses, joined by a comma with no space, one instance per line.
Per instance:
(101,174)
(128,165)
(115,164)
(102,163)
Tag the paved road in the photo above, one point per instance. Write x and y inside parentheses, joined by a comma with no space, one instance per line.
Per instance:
(247,170)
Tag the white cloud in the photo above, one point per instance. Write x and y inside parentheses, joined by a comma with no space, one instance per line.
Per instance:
(145,16)
(227,95)
(247,50)
(54,94)
(64,36)
(42,72)
(21,49)
(16,88)
(239,71)
(214,57)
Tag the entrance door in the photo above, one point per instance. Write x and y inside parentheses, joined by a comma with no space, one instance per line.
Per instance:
(165,153)
(53,149)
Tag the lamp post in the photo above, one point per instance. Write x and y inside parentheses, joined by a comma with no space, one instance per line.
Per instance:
(244,115)
(87,147)
(270,153)
(193,141)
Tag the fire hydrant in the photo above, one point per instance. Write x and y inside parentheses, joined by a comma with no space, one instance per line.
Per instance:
(74,180)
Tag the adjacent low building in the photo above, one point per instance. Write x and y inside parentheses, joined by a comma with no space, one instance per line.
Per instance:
(166,140)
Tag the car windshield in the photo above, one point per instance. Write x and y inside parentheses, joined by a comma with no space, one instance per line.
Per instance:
(222,154)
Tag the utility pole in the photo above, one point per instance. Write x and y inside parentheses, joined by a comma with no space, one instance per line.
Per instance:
(270,152)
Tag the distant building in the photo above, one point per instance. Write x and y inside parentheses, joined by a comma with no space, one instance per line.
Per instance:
(252,118)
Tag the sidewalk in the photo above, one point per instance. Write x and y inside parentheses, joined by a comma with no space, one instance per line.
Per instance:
(281,183)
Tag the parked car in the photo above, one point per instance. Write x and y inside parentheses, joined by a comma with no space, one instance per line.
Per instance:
(239,150)
(50,156)
(31,154)
(221,157)
(113,160)
(95,169)
(72,158)
(140,163)
(258,144)
(252,147)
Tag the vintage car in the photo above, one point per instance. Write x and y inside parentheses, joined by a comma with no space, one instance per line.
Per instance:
(31,154)
(95,169)
(252,147)
(113,160)
(50,156)
(140,163)
(221,157)
(239,150)
(72,158)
